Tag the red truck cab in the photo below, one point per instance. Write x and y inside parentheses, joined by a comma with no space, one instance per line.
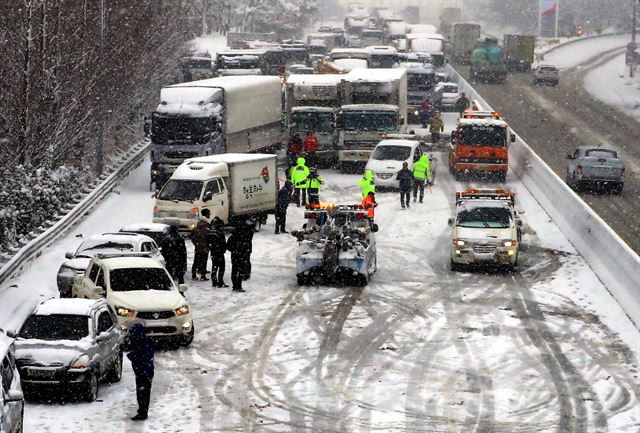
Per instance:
(480,145)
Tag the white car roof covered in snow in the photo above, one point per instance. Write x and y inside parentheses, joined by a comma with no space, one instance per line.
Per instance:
(75,307)
(483,122)
(351,64)
(376,75)
(399,142)
(132,238)
(124,262)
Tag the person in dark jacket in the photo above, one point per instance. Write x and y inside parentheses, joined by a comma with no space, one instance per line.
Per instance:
(217,248)
(462,103)
(405,177)
(240,246)
(284,198)
(141,350)
(199,237)
(174,252)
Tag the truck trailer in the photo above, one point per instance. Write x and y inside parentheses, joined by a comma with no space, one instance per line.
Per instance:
(215,116)
(518,52)
(463,42)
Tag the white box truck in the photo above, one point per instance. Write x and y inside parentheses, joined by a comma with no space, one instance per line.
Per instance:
(374,102)
(233,186)
(208,117)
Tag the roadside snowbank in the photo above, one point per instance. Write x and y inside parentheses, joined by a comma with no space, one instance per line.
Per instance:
(574,54)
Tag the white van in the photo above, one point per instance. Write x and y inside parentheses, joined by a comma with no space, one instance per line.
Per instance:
(387,157)
(230,185)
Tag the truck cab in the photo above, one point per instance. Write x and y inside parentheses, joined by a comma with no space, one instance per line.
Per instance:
(486,229)
(480,145)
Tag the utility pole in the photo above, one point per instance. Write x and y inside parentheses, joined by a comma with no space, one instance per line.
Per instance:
(557,16)
(101,108)
(632,66)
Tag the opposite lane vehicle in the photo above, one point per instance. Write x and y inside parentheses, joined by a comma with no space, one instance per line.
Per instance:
(77,261)
(72,344)
(140,290)
(546,74)
(595,167)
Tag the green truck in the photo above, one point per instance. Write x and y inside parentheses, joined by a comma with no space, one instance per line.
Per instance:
(487,62)
(518,52)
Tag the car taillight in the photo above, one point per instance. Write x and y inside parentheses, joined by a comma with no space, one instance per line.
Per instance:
(156,210)
(579,170)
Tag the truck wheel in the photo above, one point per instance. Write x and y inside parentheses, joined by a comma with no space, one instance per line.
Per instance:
(115,373)
(91,386)
(186,340)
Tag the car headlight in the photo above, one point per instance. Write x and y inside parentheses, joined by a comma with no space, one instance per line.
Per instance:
(81,363)
(182,310)
(125,312)
(416,112)
(509,243)
(458,242)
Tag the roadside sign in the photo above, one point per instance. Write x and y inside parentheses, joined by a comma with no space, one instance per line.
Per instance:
(632,58)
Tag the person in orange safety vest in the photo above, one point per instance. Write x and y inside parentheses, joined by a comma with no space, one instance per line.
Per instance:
(369,204)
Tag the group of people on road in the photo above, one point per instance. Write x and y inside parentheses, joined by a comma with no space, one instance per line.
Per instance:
(306,183)
(415,180)
(307,148)
(208,238)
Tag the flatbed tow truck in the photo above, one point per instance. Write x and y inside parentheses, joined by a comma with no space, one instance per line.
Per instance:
(337,245)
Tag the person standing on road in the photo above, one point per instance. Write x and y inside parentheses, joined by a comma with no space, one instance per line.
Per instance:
(141,351)
(217,247)
(174,252)
(425,113)
(240,246)
(367,184)
(315,183)
(420,176)
(369,204)
(284,198)
(199,237)
(310,148)
(405,177)
(294,149)
(462,104)
(436,127)
(299,178)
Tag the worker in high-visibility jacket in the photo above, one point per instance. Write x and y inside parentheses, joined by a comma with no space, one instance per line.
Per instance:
(315,183)
(367,183)
(421,175)
(299,176)
(369,204)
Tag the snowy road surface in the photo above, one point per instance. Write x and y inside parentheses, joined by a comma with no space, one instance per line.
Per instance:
(420,349)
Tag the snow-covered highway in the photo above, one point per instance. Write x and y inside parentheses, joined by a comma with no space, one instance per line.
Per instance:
(419,349)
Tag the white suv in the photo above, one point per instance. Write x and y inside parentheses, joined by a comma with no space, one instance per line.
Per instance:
(546,74)
(140,290)
(485,229)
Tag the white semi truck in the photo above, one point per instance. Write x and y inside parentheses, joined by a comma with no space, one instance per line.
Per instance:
(311,103)
(233,186)
(374,102)
(215,116)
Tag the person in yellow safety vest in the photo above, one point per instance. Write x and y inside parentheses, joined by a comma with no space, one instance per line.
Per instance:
(367,183)
(315,183)
(421,174)
(300,179)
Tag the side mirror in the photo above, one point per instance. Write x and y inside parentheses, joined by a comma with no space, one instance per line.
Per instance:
(519,223)
(182,288)
(12,334)
(103,336)
(14,396)
(450,222)
(207,196)
(374,228)
(513,138)
(99,290)
(68,255)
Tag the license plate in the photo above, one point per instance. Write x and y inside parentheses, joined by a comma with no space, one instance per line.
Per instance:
(42,373)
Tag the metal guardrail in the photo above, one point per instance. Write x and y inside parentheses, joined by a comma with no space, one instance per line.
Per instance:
(21,258)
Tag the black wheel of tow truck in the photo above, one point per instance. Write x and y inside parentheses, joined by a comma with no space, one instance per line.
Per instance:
(502,177)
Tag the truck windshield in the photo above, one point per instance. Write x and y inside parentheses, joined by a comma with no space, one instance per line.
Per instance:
(129,279)
(369,121)
(420,82)
(449,89)
(239,62)
(484,217)
(181,190)
(483,135)
(196,64)
(382,60)
(55,327)
(181,129)
(391,153)
(316,122)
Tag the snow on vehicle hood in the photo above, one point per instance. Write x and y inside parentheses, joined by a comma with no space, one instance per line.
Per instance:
(483,234)
(54,352)
(147,300)
(385,166)
(78,264)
